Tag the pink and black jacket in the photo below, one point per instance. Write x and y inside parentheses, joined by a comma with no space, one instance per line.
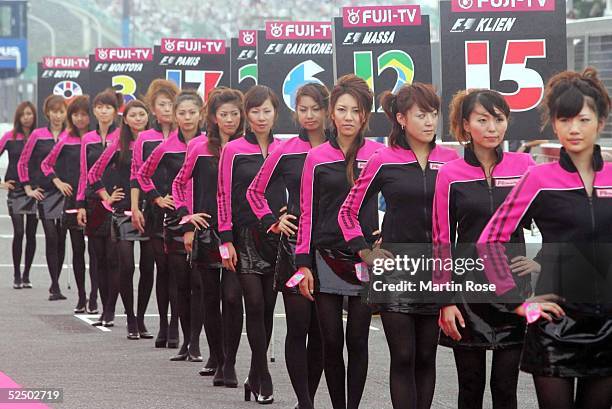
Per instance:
(194,189)
(286,163)
(35,150)
(576,229)
(64,162)
(324,188)
(111,161)
(464,203)
(146,142)
(240,162)
(167,158)
(92,147)
(14,147)
(408,191)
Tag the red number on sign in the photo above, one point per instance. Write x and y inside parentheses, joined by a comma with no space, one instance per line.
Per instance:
(530,85)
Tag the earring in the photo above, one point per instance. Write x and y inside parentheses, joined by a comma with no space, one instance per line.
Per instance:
(403,127)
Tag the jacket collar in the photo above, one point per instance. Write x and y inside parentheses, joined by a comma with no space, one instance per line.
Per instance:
(333,141)
(566,161)
(251,138)
(303,135)
(182,138)
(403,143)
(470,157)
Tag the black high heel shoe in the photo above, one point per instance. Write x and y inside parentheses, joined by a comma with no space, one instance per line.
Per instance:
(80,307)
(182,354)
(209,369)
(92,307)
(266,397)
(219,378)
(142,329)
(194,354)
(132,328)
(230,380)
(248,391)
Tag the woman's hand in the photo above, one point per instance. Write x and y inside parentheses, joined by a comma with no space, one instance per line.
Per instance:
(447,321)
(368,256)
(547,304)
(34,193)
(138,220)
(199,220)
(82,217)
(232,260)
(64,188)
(284,225)
(116,196)
(523,266)
(188,240)
(8,185)
(307,283)
(164,202)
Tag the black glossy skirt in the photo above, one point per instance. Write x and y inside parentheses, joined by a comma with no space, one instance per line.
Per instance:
(487,326)
(154,220)
(69,216)
(173,233)
(99,219)
(52,205)
(256,249)
(335,272)
(20,203)
(205,250)
(285,264)
(576,345)
(122,228)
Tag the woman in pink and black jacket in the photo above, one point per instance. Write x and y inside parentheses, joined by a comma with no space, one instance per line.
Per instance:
(117,159)
(160,98)
(468,191)
(62,165)
(36,185)
(20,204)
(168,157)
(326,264)
(405,173)
(91,214)
(568,346)
(247,248)
(213,286)
(303,359)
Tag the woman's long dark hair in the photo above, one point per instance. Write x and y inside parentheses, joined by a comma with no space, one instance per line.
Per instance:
(126,136)
(80,103)
(17,127)
(357,88)
(216,98)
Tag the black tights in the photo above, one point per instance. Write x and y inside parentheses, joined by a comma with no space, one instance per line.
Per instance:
(182,274)
(55,247)
(31,223)
(77,240)
(165,292)
(558,393)
(472,374)
(145,283)
(329,311)
(304,360)
(259,301)
(107,270)
(412,341)
(217,287)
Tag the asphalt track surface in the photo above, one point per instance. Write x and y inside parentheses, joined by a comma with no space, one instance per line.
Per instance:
(44,345)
